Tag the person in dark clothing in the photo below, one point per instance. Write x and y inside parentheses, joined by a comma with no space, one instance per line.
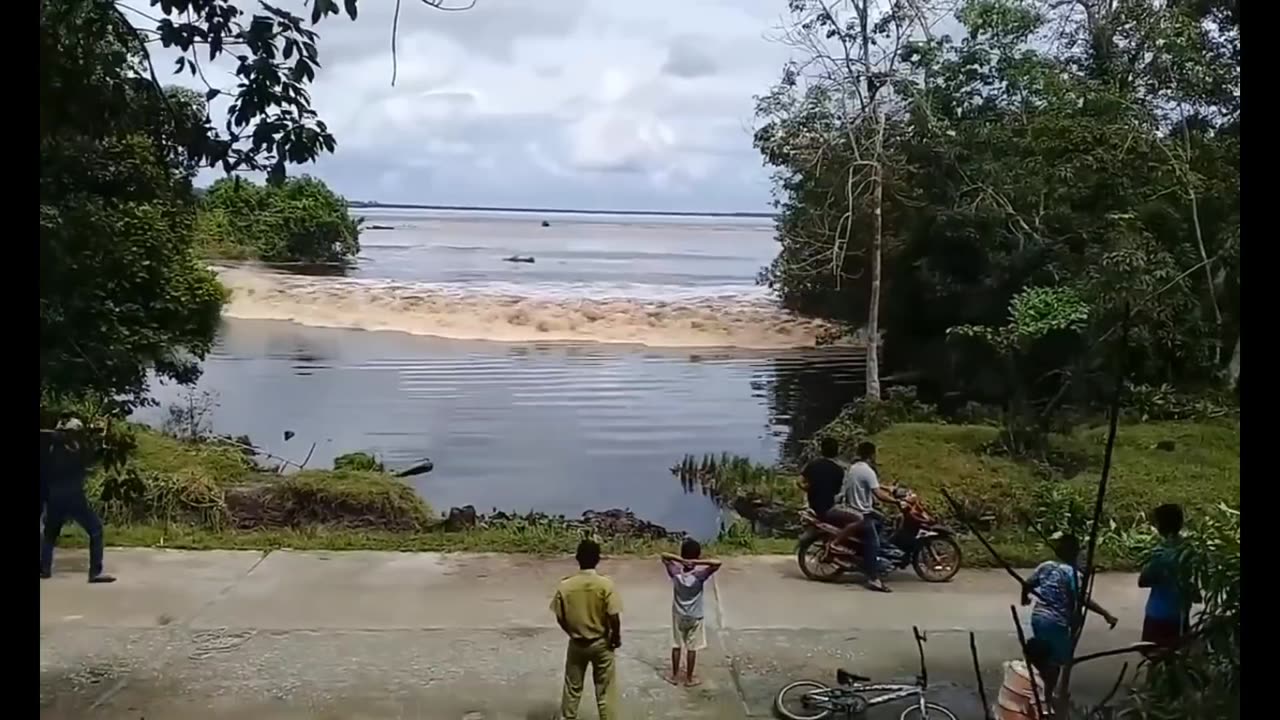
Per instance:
(64,466)
(823,480)
(46,442)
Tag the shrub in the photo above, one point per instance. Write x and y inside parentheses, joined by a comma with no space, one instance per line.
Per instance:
(218,462)
(1145,403)
(211,484)
(301,220)
(729,475)
(1059,509)
(976,413)
(192,417)
(867,416)
(358,461)
(339,498)
(130,494)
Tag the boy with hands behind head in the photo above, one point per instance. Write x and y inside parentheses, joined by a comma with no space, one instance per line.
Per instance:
(689,574)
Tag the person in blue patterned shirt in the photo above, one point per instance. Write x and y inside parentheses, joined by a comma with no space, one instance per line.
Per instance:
(1056,585)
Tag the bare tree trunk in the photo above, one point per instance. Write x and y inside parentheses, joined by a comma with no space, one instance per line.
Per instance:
(877,209)
(873,309)
(1204,255)
(1233,367)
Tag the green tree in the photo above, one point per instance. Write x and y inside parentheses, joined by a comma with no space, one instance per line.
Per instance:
(1015,166)
(297,220)
(1041,321)
(828,128)
(121,291)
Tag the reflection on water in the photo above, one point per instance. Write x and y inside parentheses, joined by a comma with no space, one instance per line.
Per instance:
(552,427)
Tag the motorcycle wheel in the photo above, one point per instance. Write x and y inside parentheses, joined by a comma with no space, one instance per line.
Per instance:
(809,556)
(937,559)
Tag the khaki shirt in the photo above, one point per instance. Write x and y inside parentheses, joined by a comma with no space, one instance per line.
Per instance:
(583,601)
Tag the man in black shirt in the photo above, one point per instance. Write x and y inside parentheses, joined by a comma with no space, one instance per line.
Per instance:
(823,479)
(64,466)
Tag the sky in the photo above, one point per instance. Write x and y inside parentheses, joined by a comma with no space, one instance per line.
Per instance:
(590,104)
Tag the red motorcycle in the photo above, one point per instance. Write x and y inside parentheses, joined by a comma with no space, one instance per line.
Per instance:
(919,540)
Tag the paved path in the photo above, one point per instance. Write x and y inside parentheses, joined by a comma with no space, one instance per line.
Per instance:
(196,635)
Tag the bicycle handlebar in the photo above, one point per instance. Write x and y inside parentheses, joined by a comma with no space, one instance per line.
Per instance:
(921,639)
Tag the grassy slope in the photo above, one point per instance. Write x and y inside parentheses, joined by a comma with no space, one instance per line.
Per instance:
(1202,471)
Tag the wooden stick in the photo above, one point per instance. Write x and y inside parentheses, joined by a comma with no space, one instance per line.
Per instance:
(1124,669)
(1079,611)
(1136,647)
(1031,670)
(258,451)
(308,457)
(977,673)
(955,506)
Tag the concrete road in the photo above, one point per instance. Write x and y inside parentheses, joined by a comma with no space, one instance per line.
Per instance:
(202,635)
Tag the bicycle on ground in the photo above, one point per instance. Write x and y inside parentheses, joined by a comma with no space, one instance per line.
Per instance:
(850,698)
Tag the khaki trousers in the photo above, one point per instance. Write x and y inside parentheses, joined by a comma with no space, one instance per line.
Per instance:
(599,656)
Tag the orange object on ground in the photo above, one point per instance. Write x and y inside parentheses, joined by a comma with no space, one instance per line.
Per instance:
(1015,701)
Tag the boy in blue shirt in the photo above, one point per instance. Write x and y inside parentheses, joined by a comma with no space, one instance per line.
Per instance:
(1057,589)
(1168,613)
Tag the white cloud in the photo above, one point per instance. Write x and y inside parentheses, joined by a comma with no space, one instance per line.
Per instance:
(579,103)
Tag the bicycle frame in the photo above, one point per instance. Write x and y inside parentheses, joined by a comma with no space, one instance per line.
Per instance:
(838,699)
(894,691)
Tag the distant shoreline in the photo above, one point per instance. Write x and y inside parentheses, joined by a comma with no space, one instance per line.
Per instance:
(367,204)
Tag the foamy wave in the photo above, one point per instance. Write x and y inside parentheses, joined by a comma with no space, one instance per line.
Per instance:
(444,312)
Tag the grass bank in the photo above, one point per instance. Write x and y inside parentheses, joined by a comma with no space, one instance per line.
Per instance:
(545,541)
(211,495)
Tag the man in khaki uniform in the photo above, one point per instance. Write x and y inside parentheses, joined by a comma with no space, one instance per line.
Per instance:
(587,608)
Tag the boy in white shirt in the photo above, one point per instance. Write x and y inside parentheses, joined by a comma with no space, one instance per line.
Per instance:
(689,574)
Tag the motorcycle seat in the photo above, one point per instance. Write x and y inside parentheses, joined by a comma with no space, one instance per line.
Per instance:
(844,677)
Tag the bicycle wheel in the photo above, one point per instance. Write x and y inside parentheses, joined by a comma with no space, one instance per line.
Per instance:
(933,711)
(800,699)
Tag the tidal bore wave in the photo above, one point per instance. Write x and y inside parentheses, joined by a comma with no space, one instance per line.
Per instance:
(450,312)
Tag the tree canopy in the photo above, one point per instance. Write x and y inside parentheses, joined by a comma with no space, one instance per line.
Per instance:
(1092,147)
(297,220)
(121,289)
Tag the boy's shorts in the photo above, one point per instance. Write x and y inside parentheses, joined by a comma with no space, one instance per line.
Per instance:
(1167,634)
(1056,635)
(688,633)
